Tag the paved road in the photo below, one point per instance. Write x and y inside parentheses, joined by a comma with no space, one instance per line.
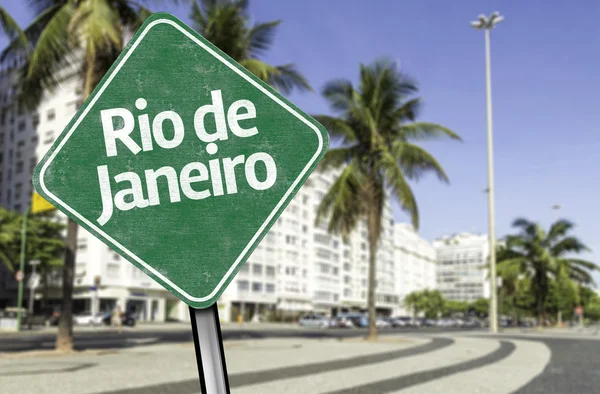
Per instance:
(105,339)
(310,361)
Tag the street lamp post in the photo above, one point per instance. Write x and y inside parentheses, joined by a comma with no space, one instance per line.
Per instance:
(486,24)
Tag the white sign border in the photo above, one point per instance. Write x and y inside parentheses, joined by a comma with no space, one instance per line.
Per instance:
(117,244)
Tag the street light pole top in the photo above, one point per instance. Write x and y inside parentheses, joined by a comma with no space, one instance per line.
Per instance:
(487,23)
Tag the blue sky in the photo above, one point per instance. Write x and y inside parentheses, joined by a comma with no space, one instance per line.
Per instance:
(546,109)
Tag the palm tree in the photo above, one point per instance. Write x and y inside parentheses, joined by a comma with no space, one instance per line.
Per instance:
(544,256)
(83,37)
(66,36)
(375,126)
(226,23)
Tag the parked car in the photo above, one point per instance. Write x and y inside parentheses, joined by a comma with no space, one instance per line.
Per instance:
(428,322)
(397,322)
(409,321)
(357,319)
(314,321)
(341,322)
(87,319)
(127,319)
(382,323)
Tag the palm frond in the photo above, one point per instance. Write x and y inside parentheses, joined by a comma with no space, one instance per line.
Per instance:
(409,110)
(96,22)
(53,46)
(343,205)
(16,52)
(337,127)
(400,188)
(568,245)
(340,94)
(261,37)
(573,262)
(558,229)
(416,161)
(336,157)
(283,78)
(425,130)
(287,78)
(10,27)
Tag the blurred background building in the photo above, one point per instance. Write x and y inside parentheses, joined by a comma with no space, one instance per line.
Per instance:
(462,272)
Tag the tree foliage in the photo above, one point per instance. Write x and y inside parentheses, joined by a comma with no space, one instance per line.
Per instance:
(547,260)
(226,23)
(376,128)
(66,37)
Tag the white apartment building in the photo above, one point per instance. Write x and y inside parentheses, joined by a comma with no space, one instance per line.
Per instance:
(297,267)
(461,273)
(300,267)
(416,264)
(24,139)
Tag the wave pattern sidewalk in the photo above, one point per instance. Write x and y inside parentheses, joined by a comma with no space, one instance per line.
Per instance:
(291,366)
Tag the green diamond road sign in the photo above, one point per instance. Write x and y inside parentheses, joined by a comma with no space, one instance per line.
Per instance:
(181,160)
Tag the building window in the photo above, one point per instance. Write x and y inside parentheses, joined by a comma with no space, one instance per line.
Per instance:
(35,120)
(270,270)
(112,270)
(290,239)
(256,287)
(243,285)
(257,269)
(50,115)
(270,287)
(19,167)
(18,189)
(322,238)
(21,126)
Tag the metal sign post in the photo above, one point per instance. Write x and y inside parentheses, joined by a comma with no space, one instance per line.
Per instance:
(210,356)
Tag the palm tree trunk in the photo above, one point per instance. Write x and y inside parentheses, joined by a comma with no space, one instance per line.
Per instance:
(371,291)
(373,228)
(64,339)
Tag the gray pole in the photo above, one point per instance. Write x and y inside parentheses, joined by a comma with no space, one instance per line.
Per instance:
(490,151)
(210,356)
(487,24)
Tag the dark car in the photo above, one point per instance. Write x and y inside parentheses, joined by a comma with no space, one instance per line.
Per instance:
(127,319)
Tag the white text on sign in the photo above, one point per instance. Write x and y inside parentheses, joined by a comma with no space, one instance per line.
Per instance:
(119,123)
